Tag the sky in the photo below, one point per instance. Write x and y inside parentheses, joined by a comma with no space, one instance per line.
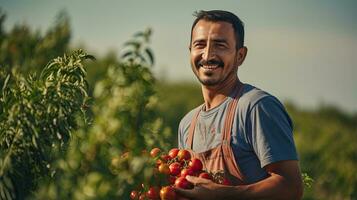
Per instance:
(302,51)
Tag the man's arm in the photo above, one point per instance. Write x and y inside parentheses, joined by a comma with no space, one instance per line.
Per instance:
(284,182)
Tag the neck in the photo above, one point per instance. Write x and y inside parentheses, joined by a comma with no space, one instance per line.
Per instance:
(214,95)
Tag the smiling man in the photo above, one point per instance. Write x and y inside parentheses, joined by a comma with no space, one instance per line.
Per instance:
(239,129)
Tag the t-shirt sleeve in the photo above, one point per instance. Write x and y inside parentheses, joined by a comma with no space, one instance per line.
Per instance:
(271,131)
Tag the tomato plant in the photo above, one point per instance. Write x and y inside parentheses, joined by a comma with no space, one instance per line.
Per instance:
(38,115)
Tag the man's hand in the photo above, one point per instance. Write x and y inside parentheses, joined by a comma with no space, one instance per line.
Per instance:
(204,189)
(284,182)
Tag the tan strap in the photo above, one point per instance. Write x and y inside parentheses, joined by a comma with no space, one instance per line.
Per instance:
(226,134)
(229,158)
(191,130)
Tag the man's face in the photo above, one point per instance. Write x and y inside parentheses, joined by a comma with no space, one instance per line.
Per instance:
(214,57)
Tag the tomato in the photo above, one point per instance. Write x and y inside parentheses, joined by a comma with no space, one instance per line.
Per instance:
(205,175)
(186,172)
(153,193)
(164,168)
(162,159)
(142,197)
(171,179)
(183,183)
(184,155)
(159,162)
(165,158)
(134,195)
(167,193)
(195,164)
(155,152)
(226,182)
(175,168)
(173,153)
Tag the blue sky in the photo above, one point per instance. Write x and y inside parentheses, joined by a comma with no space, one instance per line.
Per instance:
(303,51)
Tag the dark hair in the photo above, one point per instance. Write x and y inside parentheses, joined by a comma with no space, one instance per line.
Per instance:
(221,15)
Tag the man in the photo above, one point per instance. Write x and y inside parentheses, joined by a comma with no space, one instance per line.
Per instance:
(261,158)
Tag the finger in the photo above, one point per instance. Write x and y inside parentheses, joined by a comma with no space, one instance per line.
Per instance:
(197,180)
(193,179)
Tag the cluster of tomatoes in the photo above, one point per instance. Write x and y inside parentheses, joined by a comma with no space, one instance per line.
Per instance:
(174,167)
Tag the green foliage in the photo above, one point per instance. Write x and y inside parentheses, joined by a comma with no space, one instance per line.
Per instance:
(177,100)
(28,50)
(37,114)
(136,50)
(326,140)
(308,181)
(105,159)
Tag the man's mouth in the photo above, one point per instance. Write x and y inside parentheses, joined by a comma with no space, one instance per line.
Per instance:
(210,65)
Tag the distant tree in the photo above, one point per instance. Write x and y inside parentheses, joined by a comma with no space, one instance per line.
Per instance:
(28,50)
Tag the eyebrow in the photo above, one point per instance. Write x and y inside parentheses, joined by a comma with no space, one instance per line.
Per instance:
(218,40)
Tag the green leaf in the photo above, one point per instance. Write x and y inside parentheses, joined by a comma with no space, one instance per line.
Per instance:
(127,54)
(134,44)
(90,57)
(150,55)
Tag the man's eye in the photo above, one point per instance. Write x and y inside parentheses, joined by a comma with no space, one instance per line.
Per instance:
(199,45)
(221,45)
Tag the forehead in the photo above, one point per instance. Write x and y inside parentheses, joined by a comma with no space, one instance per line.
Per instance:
(218,29)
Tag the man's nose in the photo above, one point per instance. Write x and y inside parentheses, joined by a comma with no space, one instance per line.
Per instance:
(208,52)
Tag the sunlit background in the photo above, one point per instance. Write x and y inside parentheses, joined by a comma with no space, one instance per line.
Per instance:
(301,51)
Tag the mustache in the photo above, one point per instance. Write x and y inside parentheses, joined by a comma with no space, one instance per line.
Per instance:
(210,62)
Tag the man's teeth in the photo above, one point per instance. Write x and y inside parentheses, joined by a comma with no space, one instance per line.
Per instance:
(210,66)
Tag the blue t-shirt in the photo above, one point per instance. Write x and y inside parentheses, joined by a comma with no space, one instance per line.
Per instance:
(261,131)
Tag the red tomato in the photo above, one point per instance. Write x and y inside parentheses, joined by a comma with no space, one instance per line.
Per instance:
(162,159)
(175,168)
(167,193)
(164,168)
(155,152)
(159,162)
(134,195)
(153,193)
(173,153)
(226,182)
(205,175)
(171,179)
(165,157)
(195,164)
(142,197)
(184,155)
(186,172)
(183,183)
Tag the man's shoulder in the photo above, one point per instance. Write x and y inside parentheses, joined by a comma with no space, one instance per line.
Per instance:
(251,95)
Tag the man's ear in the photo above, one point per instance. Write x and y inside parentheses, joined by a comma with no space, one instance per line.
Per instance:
(241,54)
(189,48)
